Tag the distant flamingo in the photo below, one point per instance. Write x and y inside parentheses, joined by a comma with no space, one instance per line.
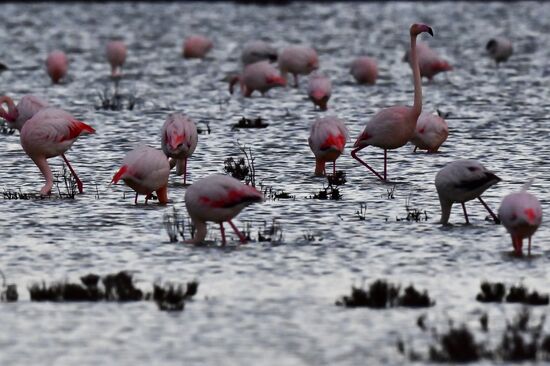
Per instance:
(327,139)
(393,127)
(298,60)
(196,46)
(218,198)
(364,70)
(16,116)
(51,132)
(145,170)
(462,181)
(116,55)
(179,140)
(500,49)
(431,132)
(260,76)
(255,51)
(57,65)
(521,214)
(429,61)
(319,90)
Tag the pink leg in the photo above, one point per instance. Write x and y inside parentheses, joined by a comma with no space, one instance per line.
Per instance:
(239,234)
(78,182)
(223,233)
(465,213)
(495,218)
(135,200)
(185,171)
(354,155)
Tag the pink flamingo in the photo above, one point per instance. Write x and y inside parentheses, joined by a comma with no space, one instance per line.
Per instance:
(116,55)
(364,70)
(145,170)
(260,76)
(521,214)
(298,60)
(255,51)
(51,132)
(196,46)
(431,132)
(327,139)
(430,62)
(319,90)
(17,115)
(500,49)
(462,181)
(218,198)
(57,65)
(393,127)
(179,139)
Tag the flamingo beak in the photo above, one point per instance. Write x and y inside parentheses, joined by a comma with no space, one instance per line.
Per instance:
(430,31)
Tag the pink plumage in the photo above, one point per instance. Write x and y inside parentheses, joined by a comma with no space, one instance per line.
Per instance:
(115,51)
(260,76)
(57,65)
(364,70)
(430,133)
(17,115)
(298,60)
(327,139)
(179,139)
(319,90)
(196,46)
(429,61)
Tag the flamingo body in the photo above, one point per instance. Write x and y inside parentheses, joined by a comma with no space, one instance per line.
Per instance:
(179,139)
(196,46)
(115,51)
(500,49)
(260,76)
(17,115)
(256,51)
(298,60)
(364,70)
(430,133)
(327,140)
(429,61)
(319,90)
(57,65)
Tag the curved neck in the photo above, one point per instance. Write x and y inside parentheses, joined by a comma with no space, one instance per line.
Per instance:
(11,114)
(417,106)
(44,167)
(200,232)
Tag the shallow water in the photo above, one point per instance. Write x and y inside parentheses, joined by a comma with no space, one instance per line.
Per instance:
(268,304)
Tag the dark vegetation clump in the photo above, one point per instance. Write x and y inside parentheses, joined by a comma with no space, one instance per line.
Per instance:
(273,194)
(413,214)
(8,292)
(175,224)
(114,101)
(250,123)
(337,179)
(171,297)
(491,292)
(65,183)
(120,287)
(242,168)
(362,212)
(382,294)
(18,195)
(4,129)
(3,67)
(265,232)
(496,292)
(458,345)
(328,193)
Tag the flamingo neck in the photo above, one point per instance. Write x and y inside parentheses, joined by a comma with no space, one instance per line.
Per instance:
(11,115)
(44,167)
(200,231)
(445,211)
(417,106)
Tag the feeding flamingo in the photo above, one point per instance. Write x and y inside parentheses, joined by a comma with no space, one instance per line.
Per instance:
(179,140)
(260,76)
(327,139)
(116,55)
(462,181)
(298,60)
(521,214)
(319,90)
(431,132)
(17,115)
(393,127)
(255,51)
(364,70)
(429,61)
(145,170)
(500,49)
(218,198)
(196,46)
(57,65)
(51,132)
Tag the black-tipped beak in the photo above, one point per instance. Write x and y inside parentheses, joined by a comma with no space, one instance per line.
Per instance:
(430,31)
(493,176)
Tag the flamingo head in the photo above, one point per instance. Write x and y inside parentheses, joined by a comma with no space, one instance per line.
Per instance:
(313,62)
(11,114)
(275,80)
(418,28)
(440,65)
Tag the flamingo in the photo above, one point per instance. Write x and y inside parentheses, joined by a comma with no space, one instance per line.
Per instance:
(431,132)
(260,76)
(115,51)
(327,139)
(521,214)
(319,90)
(179,140)
(298,60)
(500,49)
(17,115)
(429,61)
(393,127)
(57,65)
(218,198)
(145,170)
(364,70)
(51,132)
(255,51)
(196,46)
(462,181)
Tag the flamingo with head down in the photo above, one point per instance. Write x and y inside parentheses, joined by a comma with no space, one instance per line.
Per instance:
(364,70)
(255,51)
(500,49)
(260,76)
(429,61)
(17,115)
(179,139)
(327,139)
(319,90)
(115,51)
(196,46)
(298,60)
(57,65)
(431,132)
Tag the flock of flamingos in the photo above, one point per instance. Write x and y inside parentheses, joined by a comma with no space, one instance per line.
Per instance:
(47,132)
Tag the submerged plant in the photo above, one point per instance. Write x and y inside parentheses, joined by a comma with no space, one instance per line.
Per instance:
(496,292)
(242,168)
(382,294)
(250,123)
(8,292)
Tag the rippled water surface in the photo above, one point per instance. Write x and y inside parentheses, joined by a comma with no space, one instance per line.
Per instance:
(268,304)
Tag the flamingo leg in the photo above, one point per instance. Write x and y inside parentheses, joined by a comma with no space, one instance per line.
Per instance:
(296,84)
(242,238)
(385,163)
(354,155)
(529,248)
(334,168)
(185,171)
(495,218)
(416,147)
(465,213)
(223,233)
(135,200)
(78,181)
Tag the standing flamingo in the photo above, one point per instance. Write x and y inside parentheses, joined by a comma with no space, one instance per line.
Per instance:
(196,46)
(255,51)
(500,49)
(115,51)
(462,181)
(319,90)
(145,170)
(260,76)
(298,60)
(393,127)
(429,61)
(179,139)
(364,70)
(51,132)
(521,214)
(431,132)
(57,65)
(327,139)
(17,115)
(218,198)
